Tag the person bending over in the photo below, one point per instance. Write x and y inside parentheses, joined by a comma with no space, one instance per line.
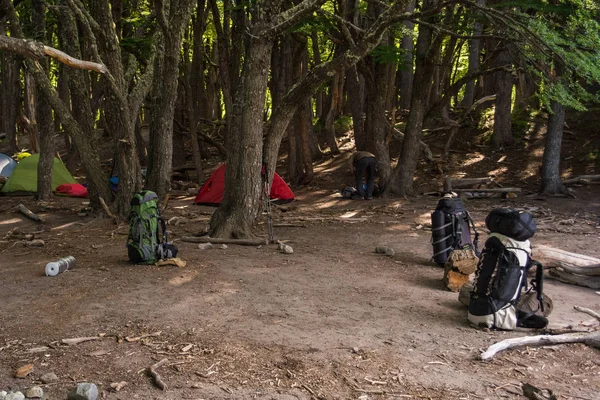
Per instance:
(364,165)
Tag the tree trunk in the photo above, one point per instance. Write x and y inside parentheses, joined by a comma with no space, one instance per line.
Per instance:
(192,107)
(427,53)
(11,65)
(406,69)
(31,114)
(502,134)
(331,114)
(243,183)
(474,52)
(376,124)
(355,83)
(551,181)
(43,111)
(160,155)
(303,127)
(318,95)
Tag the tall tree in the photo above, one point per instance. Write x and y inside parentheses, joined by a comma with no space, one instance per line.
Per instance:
(426,55)
(43,111)
(172,16)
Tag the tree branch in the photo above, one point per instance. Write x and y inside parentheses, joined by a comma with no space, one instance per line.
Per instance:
(290,17)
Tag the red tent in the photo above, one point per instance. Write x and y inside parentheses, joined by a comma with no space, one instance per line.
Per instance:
(211,193)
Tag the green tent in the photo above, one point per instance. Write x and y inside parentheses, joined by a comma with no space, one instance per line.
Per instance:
(23,180)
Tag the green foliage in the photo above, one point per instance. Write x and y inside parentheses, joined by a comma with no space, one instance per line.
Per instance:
(567,57)
(343,124)
(388,54)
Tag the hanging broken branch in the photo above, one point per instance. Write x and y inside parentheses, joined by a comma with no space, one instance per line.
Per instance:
(36,51)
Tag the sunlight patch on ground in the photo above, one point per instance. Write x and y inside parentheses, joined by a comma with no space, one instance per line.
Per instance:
(398,227)
(350,214)
(498,171)
(476,157)
(329,203)
(183,279)
(181,207)
(11,221)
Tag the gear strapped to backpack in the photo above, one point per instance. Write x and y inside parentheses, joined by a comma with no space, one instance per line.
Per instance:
(451,226)
(501,274)
(144,244)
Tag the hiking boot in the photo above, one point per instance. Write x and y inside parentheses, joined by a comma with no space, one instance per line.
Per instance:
(369,198)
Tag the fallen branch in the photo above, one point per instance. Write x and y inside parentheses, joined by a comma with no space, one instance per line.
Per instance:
(107,210)
(422,145)
(207,239)
(74,341)
(157,378)
(138,338)
(588,311)
(588,338)
(28,213)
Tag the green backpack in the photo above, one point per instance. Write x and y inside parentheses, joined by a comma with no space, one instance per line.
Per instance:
(144,219)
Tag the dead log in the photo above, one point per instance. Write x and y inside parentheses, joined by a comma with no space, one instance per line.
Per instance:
(591,339)
(574,279)
(580,264)
(207,239)
(492,190)
(457,183)
(28,213)
(582,179)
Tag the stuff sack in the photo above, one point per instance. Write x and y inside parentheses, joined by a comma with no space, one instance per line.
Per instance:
(451,226)
(143,240)
(499,281)
(518,225)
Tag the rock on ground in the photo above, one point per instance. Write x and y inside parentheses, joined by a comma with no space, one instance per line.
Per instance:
(34,392)
(49,377)
(84,391)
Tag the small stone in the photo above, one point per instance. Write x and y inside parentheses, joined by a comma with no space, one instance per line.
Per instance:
(84,391)
(15,396)
(23,371)
(35,392)
(388,251)
(49,377)
(3,395)
(36,243)
(223,246)
(285,249)
(205,246)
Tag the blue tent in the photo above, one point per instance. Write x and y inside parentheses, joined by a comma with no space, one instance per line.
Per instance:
(7,165)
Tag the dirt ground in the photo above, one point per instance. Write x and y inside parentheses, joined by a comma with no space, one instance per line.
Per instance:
(333,320)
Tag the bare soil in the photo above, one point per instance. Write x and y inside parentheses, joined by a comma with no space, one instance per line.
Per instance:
(333,320)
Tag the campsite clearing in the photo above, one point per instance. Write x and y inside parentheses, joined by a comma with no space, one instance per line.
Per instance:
(333,320)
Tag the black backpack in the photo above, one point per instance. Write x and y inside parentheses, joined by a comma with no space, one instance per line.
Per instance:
(501,275)
(451,226)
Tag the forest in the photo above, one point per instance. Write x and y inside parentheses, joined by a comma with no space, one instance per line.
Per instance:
(245,77)
(346,299)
